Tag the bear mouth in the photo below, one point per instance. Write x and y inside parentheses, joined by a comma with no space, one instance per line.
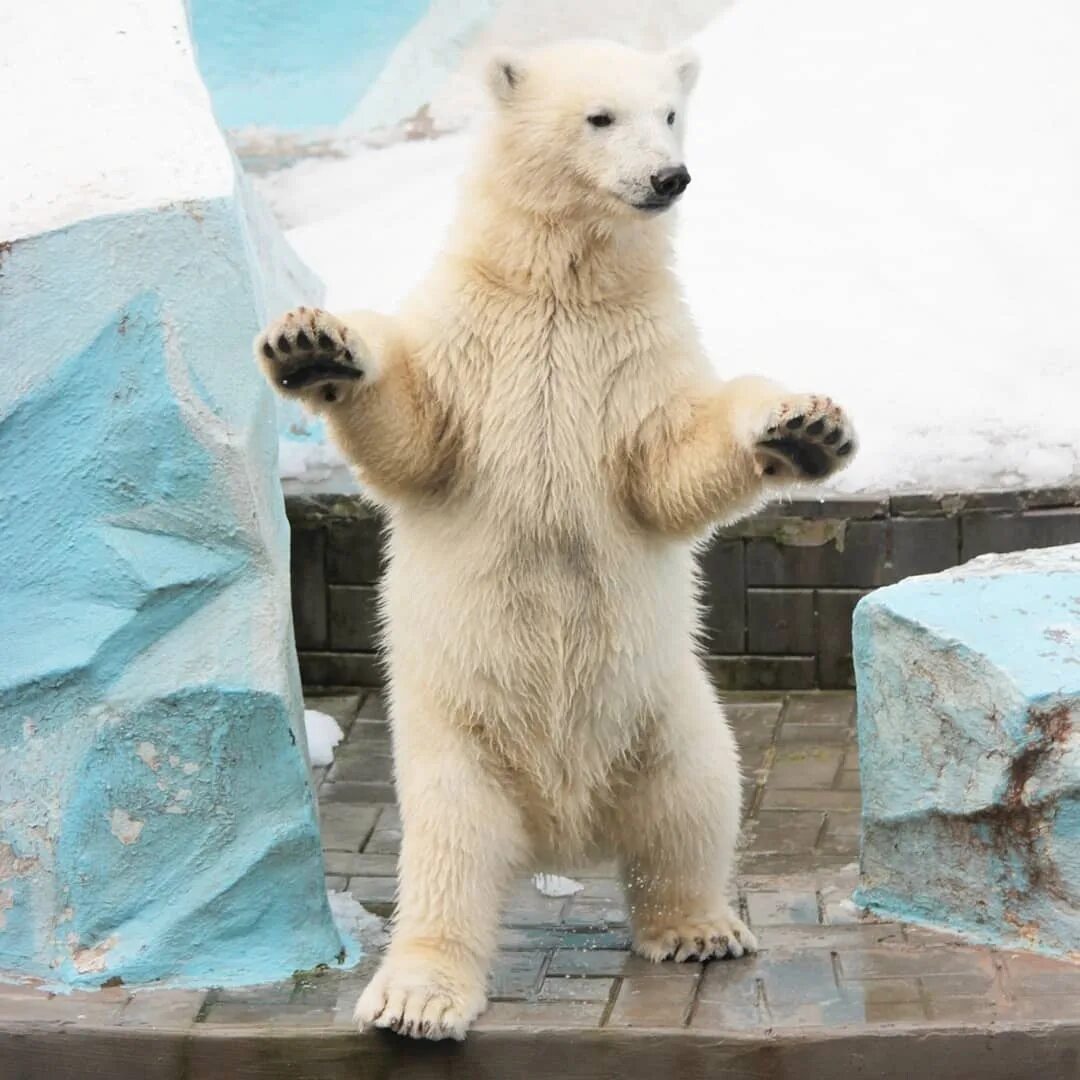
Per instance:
(655,204)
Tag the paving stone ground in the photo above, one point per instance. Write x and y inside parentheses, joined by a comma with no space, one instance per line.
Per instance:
(564,964)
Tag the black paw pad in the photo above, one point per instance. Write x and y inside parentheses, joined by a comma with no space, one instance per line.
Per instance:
(268,350)
(808,458)
(326,341)
(303,341)
(322,369)
(283,344)
(816,428)
(832,438)
(843,451)
(795,423)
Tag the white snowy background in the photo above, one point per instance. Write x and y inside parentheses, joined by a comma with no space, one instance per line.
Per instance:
(885,207)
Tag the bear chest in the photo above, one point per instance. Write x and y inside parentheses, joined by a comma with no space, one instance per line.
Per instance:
(565,390)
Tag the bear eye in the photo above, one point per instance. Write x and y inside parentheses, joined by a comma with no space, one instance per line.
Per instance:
(671,118)
(602,119)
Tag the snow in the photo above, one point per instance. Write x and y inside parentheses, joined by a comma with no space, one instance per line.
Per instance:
(120,118)
(323,734)
(355,923)
(885,207)
(312,461)
(555,886)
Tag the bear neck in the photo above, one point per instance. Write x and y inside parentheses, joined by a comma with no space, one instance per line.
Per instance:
(568,254)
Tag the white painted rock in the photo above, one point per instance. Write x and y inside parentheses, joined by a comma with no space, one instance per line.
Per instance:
(969,700)
(156,820)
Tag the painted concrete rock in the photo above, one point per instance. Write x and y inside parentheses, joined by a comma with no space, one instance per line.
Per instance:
(156,817)
(969,746)
(288,67)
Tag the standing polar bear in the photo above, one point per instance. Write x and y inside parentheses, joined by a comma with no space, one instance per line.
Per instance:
(550,442)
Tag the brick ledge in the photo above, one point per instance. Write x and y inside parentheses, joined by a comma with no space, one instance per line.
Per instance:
(779,587)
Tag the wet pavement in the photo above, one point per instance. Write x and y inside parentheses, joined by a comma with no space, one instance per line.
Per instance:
(825,978)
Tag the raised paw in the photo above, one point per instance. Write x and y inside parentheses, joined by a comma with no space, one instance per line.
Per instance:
(420,1002)
(713,937)
(805,438)
(311,352)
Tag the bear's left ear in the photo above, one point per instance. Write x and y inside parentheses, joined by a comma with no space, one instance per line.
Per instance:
(686,64)
(505,71)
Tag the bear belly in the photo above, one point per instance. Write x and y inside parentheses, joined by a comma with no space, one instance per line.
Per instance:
(550,628)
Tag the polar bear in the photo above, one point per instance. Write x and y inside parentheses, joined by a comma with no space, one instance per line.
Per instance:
(550,443)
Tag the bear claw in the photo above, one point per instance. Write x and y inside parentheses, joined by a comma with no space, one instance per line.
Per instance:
(717,938)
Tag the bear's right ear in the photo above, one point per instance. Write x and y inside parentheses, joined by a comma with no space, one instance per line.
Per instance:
(505,70)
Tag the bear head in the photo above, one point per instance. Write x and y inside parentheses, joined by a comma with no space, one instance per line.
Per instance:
(590,129)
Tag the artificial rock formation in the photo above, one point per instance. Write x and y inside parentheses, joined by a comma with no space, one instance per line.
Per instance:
(156,816)
(969,704)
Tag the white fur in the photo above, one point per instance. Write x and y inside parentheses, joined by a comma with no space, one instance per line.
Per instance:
(549,442)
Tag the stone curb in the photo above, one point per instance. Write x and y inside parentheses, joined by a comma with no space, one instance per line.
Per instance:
(229,1053)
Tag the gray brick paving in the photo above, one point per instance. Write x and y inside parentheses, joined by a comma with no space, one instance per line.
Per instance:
(564,963)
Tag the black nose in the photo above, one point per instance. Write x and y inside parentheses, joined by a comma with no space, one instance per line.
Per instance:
(670,181)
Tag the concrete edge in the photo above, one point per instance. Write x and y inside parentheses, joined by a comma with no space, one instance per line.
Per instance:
(992,1052)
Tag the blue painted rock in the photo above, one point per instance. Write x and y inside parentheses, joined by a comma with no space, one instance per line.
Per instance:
(156,816)
(969,701)
(277,69)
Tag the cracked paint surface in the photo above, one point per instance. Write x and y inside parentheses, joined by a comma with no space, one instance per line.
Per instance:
(124,827)
(156,818)
(969,747)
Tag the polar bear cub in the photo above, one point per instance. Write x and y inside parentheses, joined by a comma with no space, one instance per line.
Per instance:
(549,442)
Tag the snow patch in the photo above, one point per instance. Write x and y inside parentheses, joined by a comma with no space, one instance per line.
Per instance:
(308,461)
(323,734)
(555,886)
(883,209)
(355,923)
(122,60)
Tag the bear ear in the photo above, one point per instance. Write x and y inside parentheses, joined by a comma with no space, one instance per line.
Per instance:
(505,70)
(687,65)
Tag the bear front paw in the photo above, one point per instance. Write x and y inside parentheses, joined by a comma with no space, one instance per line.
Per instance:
(421,1000)
(309,351)
(805,438)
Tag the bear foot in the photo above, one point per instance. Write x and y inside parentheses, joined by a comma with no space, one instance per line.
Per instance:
(712,937)
(311,350)
(420,1000)
(805,438)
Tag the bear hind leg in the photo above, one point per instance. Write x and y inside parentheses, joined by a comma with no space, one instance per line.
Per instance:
(676,834)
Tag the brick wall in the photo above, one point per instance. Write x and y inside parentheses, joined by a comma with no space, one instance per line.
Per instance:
(779,587)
